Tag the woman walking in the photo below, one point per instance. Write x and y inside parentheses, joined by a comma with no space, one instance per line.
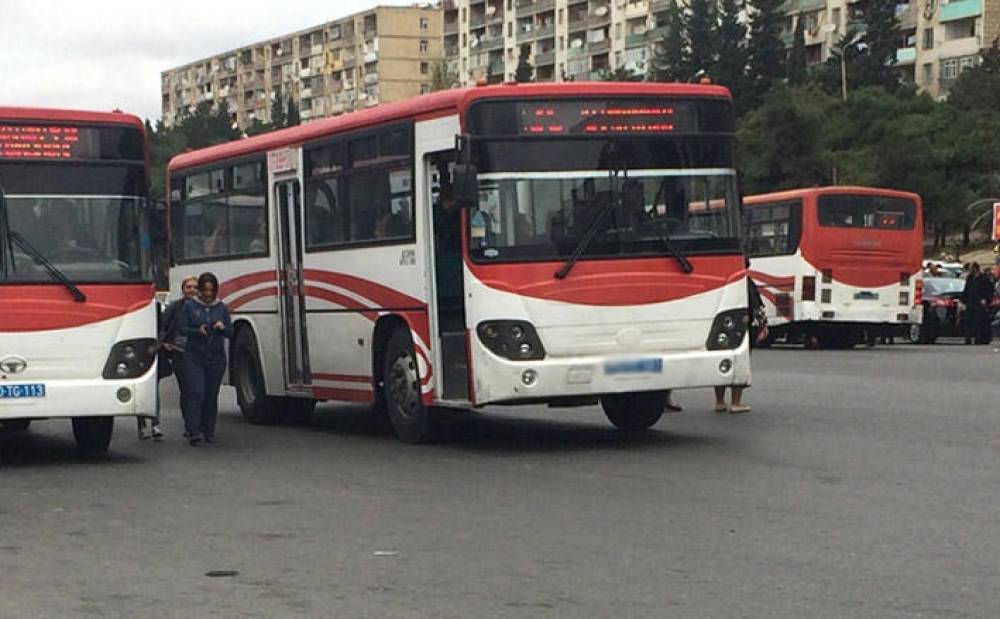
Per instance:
(206,324)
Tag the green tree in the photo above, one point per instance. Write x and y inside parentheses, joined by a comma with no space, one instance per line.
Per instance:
(700,27)
(524,71)
(292,116)
(795,67)
(621,74)
(875,66)
(442,77)
(766,51)
(669,60)
(730,68)
(278,117)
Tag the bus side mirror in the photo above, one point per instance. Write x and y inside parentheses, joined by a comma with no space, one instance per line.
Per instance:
(465,183)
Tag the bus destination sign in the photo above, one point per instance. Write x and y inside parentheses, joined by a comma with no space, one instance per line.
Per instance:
(590,117)
(39,141)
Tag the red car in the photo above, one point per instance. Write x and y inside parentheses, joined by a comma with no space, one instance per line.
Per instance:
(943,311)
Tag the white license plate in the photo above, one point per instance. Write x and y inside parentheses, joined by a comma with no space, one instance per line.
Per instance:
(16,392)
(634,366)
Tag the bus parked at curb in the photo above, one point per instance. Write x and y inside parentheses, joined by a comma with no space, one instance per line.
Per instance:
(836,265)
(77,313)
(563,244)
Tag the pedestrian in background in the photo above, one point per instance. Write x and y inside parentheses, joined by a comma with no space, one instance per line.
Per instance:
(206,324)
(758,331)
(171,351)
(976,296)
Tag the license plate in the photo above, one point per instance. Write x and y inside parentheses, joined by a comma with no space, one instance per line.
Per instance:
(866,295)
(13,392)
(634,366)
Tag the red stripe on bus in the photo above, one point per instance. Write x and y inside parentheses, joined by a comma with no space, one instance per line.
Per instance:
(47,307)
(236,284)
(381,296)
(262,293)
(344,395)
(773,280)
(342,378)
(613,283)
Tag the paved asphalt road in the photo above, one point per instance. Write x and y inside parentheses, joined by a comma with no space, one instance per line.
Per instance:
(865,484)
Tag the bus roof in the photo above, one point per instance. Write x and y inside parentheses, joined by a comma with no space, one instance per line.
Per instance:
(791,194)
(433,105)
(72,116)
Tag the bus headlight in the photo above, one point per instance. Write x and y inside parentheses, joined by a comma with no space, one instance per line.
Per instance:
(728,329)
(130,359)
(511,339)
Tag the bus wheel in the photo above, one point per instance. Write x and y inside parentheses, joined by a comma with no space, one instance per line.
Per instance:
(401,390)
(248,379)
(93,434)
(15,425)
(634,412)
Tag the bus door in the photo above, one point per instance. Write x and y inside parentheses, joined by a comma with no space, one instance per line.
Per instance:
(449,305)
(288,212)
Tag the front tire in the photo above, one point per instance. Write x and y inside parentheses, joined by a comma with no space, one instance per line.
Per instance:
(15,425)
(93,434)
(248,378)
(634,412)
(401,390)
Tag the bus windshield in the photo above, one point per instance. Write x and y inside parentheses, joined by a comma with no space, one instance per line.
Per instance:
(544,215)
(866,211)
(89,238)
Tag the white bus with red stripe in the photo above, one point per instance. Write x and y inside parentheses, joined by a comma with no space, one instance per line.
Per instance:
(77,314)
(594,256)
(835,265)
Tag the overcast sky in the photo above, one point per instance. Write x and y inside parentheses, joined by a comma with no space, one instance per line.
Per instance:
(107,54)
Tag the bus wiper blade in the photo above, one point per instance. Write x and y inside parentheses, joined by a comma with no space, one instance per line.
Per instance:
(56,274)
(588,236)
(682,260)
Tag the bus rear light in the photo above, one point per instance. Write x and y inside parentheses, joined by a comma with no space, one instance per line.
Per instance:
(809,288)
(827,276)
(728,330)
(130,359)
(918,294)
(904,297)
(511,339)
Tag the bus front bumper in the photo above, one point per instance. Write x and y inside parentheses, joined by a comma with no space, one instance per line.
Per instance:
(82,398)
(500,380)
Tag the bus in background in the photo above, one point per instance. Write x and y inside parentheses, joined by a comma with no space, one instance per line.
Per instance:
(77,316)
(564,244)
(836,265)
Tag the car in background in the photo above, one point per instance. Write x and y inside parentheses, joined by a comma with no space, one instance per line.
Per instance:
(942,310)
(945,269)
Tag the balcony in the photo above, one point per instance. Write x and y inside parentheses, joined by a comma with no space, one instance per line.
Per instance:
(542,32)
(544,5)
(602,18)
(578,24)
(451,52)
(635,40)
(491,44)
(371,78)
(636,9)
(657,34)
(477,20)
(451,27)
(599,47)
(802,6)
(496,67)
(658,6)
(906,55)
(962,9)
(526,35)
(545,58)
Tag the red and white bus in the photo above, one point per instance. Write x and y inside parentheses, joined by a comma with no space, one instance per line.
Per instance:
(836,264)
(594,256)
(77,315)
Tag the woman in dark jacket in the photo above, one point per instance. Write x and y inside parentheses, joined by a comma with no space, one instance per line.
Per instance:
(206,324)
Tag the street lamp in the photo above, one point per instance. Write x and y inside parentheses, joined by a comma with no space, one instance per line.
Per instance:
(855,41)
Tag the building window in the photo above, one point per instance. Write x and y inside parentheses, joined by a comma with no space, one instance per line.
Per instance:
(835,19)
(423,46)
(949,68)
(425,88)
(423,68)
(424,23)
(960,29)
(928,38)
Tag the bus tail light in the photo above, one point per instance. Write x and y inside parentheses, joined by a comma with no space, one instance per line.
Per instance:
(130,359)
(904,297)
(511,339)
(918,292)
(728,330)
(809,288)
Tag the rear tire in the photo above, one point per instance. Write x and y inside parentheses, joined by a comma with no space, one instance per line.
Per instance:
(15,425)
(93,434)
(248,378)
(634,412)
(401,392)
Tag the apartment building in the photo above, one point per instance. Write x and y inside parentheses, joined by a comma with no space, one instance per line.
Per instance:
(939,39)
(380,55)
(563,39)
